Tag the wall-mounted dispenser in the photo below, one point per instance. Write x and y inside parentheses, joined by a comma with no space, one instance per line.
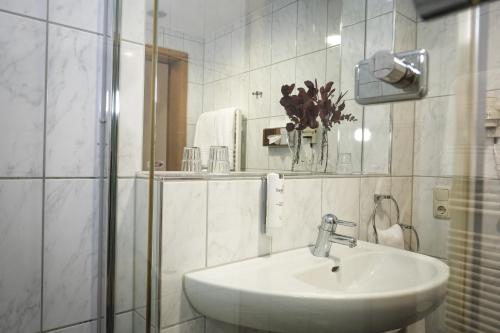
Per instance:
(389,77)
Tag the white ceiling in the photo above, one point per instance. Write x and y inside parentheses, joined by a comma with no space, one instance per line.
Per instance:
(197,17)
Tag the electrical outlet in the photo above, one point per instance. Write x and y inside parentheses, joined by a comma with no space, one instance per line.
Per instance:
(441,205)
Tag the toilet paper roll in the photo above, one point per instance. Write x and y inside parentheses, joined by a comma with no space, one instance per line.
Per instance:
(275,202)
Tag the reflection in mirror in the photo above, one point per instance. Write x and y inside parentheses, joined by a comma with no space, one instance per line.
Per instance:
(220,78)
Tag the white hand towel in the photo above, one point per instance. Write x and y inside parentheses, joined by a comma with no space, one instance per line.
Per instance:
(392,236)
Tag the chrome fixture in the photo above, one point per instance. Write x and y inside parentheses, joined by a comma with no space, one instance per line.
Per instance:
(387,77)
(257,94)
(377,198)
(327,235)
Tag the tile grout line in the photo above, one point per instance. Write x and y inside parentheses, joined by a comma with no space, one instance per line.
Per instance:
(44,163)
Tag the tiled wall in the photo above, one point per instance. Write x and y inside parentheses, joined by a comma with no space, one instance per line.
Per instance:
(50,92)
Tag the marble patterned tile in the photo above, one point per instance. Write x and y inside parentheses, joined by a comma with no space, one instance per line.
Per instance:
(134,20)
(240,45)
(20,244)
(493,58)
(353,11)
(215,326)
(439,38)
(302,214)
(405,37)
(222,94)
(377,140)
(401,190)
(433,232)
(73,103)
(124,251)
(311,26)
(379,7)
(310,67)
(140,244)
(278,4)
(183,245)
(281,73)
(435,127)
(403,118)
(334,21)
(124,322)
(209,62)
(192,326)
(22,90)
(240,92)
(260,42)
(222,56)
(256,154)
(208,97)
(407,8)
(348,139)
(81,14)
(90,327)
(70,251)
(341,198)
(379,34)
(194,102)
(235,221)
(260,80)
(369,187)
(333,66)
(284,33)
(353,48)
(34,8)
(131,109)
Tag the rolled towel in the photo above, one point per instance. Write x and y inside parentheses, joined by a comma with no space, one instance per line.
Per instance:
(392,236)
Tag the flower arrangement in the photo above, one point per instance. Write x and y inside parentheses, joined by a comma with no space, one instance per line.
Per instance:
(304,109)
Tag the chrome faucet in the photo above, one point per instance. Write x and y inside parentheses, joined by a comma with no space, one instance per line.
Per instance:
(327,235)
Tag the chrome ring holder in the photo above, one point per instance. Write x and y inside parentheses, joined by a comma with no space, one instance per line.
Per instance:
(378,199)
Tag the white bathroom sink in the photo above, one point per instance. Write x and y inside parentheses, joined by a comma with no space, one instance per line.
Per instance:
(375,289)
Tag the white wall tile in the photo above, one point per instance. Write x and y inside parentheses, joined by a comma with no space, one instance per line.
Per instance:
(240,50)
(407,8)
(222,93)
(405,34)
(379,7)
(260,80)
(401,190)
(131,109)
(81,14)
(341,198)
(194,102)
(240,92)
(124,249)
(183,245)
(353,49)
(435,126)
(310,67)
(334,18)
(311,26)
(369,187)
(347,142)
(376,150)
(20,245)
(35,8)
(403,119)
(284,33)
(223,56)
(209,62)
(433,232)
(90,327)
(70,251)
(353,11)
(256,154)
(260,42)
(134,20)
(22,95)
(333,66)
(73,102)
(302,214)
(379,34)
(124,322)
(493,58)
(281,73)
(193,326)
(235,221)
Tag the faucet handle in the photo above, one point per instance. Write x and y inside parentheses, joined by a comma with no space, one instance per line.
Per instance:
(347,223)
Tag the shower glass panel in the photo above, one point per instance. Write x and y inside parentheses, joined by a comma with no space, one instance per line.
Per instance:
(188,66)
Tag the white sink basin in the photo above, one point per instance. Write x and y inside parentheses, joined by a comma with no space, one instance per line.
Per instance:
(376,289)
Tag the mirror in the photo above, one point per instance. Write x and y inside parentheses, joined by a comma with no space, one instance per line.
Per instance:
(221,68)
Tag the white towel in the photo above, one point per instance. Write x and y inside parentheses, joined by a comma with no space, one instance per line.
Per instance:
(216,128)
(392,236)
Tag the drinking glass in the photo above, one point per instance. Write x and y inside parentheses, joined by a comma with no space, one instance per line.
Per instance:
(218,160)
(191,159)
(344,164)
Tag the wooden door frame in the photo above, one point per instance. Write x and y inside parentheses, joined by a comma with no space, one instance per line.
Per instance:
(176,126)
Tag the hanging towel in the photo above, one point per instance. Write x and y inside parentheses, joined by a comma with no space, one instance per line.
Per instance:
(219,128)
(392,236)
